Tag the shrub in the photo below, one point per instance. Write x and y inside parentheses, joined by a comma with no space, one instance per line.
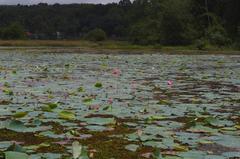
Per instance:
(13,31)
(143,34)
(201,44)
(217,36)
(96,35)
(236,45)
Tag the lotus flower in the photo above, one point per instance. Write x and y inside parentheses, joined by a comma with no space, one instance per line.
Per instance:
(170,83)
(94,107)
(76,149)
(116,72)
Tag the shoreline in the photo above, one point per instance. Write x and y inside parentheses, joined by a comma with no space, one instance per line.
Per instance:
(105,47)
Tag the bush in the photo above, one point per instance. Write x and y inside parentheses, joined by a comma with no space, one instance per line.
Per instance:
(13,31)
(96,35)
(236,45)
(143,34)
(218,36)
(201,44)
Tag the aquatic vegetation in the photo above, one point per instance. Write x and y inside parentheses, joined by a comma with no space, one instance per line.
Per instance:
(128,109)
(98,85)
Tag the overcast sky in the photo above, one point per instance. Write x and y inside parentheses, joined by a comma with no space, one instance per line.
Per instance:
(54,1)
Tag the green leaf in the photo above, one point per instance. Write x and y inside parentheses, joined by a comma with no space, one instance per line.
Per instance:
(84,153)
(35,147)
(164,102)
(87,101)
(192,155)
(155,117)
(108,107)
(52,105)
(132,147)
(16,148)
(14,72)
(202,129)
(8,92)
(15,155)
(20,114)
(49,107)
(98,85)
(6,84)
(67,115)
(17,126)
(218,123)
(157,154)
(46,109)
(81,89)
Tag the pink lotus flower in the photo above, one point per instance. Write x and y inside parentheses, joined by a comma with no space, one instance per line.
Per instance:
(94,107)
(116,72)
(170,83)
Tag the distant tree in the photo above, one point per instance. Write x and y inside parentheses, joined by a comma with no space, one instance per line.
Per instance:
(144,33)
(177,22)
(96,35)
(170,22)
(125,3)
(13,31)
(217,35)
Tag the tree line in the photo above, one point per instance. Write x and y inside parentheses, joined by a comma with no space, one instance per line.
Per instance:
(165,22)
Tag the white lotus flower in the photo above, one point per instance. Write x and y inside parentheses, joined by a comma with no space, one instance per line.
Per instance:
(76,149)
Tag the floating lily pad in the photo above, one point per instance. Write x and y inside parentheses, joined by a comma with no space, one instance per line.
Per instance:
(132,147)
(16,125)
(98,85)
(67,115)
(202,129)
(15,155)
(20,114)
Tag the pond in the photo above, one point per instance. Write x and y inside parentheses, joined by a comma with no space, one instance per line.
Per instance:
(119,106)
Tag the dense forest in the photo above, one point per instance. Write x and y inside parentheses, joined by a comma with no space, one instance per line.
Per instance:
(165,22)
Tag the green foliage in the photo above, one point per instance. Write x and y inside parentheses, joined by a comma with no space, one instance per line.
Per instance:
(20,114)
(67,115)
(236,45)
(144,22)
(98,85)
(96,35)
(177,22)
(166,22)
(143,34)
(13,31)
(13,155)
(201,44)
(217,36)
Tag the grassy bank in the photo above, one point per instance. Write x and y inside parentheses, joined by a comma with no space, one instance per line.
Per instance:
(83,45)
(73,43)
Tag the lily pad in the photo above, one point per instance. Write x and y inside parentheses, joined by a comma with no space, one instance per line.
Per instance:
(67,115)
(15,155)
(20,114)
(132,147)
